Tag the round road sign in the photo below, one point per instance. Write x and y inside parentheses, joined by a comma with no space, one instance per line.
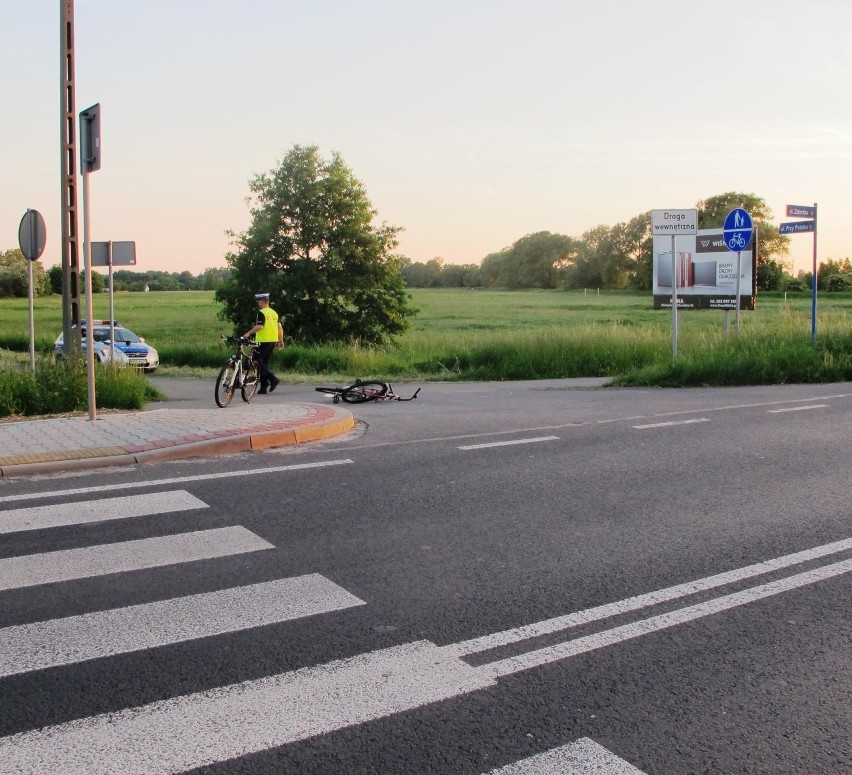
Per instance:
(738,229)
(32,235)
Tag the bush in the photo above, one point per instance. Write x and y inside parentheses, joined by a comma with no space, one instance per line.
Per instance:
(58,387)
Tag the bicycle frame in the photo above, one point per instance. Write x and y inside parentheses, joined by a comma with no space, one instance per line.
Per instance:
(240,372)
(360,392)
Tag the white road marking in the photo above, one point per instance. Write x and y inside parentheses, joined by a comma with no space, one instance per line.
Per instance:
(615,635)
(207,727)
(48,567)
(200,729)
(583,757)
(141,505)
(510,443)
(172,480)
(549,626)
(797,408)
(121,630)
(672,422)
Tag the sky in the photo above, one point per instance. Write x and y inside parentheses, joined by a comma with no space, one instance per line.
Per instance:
(470,123)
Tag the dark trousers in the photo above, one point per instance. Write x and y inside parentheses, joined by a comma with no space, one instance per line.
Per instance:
(262,353)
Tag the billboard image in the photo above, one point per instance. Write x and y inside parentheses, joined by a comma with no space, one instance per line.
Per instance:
(704,272)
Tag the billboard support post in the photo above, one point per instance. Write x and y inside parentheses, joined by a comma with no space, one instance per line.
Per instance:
(672,223)
(674,301)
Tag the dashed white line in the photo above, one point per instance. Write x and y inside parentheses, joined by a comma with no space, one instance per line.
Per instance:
(510,443)
(673,422)
(172,480)
(798,408)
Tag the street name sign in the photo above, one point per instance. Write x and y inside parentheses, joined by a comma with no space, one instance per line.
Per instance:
(801,211)
(796,227)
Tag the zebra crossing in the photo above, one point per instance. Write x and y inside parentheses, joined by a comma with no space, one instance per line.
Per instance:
(193,730)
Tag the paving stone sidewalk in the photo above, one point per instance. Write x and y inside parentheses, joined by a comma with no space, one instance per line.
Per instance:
(116,438)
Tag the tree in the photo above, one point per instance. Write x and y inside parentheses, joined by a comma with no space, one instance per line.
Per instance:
(535,261)
(313,246)
(771,243)
(13,275)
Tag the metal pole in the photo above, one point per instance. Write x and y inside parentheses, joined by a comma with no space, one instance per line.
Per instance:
(814,283)
(87,255)
(111,308)
(739,272)
(674,301)
(30,296)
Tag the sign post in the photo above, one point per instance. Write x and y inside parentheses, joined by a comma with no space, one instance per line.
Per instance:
(674,222)
(32,237)
(113,254)
(90,160)
(737,232)
(798,227)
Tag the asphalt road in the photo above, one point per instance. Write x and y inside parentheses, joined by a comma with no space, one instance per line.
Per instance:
(527,577)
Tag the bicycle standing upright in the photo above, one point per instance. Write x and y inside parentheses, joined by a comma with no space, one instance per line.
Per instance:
(239,372)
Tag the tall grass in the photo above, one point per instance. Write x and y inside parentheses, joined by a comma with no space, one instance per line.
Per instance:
(61,387)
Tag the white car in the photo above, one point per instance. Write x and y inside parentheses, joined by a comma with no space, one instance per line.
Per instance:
(103,352)
(129,348)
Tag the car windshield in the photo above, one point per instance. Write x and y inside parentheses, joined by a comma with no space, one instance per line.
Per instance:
(121,335)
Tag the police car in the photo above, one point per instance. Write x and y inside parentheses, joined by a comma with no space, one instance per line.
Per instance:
(129,348)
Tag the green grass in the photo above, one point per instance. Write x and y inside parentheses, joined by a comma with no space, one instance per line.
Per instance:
(484,334)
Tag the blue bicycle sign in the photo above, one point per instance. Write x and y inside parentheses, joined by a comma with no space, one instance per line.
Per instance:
(737,230)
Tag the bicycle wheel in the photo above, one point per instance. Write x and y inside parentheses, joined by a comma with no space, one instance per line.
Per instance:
(364,391)
(250,382)
(225,384)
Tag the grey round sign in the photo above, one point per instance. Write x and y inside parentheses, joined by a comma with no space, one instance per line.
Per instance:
(32,235)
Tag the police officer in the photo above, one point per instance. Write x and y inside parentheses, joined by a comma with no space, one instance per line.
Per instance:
(269,335)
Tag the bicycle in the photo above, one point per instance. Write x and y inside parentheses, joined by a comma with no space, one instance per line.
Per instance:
(239,372)
(360,392)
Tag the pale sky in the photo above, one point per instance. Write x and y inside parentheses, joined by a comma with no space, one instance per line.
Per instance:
(470,122)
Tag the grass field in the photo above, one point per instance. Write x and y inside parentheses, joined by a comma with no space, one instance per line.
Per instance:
(492,334)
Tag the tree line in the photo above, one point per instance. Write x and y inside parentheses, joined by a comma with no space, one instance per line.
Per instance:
(621,257)
(13,278)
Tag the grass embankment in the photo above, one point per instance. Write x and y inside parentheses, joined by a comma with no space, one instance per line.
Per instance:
(493,335)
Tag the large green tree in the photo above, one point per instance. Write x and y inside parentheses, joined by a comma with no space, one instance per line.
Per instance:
(314,246)
(537,260)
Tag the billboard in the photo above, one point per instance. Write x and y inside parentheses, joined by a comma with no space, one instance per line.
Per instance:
(705,272)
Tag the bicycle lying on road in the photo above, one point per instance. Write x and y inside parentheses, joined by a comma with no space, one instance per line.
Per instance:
(239,372)
(360,392)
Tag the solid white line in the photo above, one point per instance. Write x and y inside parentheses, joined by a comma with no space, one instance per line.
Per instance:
(797,408)
(172,480)
(48,567)
(510,443)
(121,630)
(673,422)
(141,505)
(583,757)
(200,729)
(615,635)
(549,626)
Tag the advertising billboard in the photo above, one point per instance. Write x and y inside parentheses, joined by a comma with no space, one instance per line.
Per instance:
(704,270)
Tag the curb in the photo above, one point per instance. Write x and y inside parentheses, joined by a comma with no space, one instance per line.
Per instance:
(245,442)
